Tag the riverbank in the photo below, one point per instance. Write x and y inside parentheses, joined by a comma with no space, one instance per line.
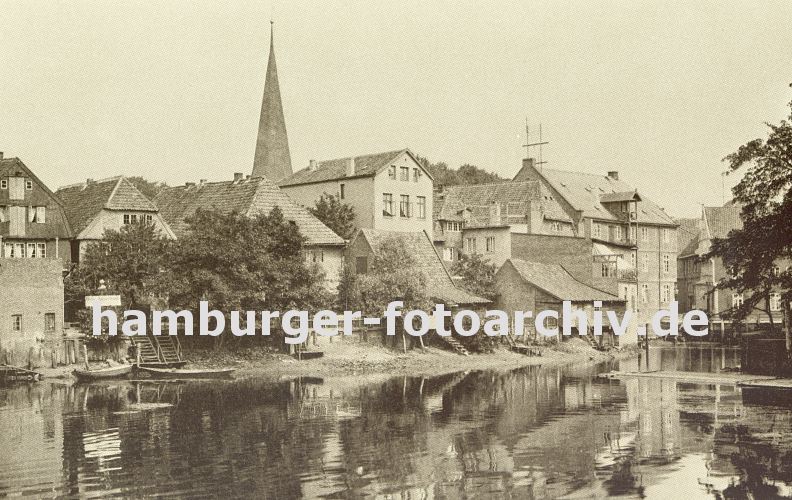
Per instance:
(343,360)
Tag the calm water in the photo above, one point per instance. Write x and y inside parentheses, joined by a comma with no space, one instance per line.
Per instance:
(530,433)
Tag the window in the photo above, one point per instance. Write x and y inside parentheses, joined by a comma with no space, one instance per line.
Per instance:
(341,191)
(776,271)
(3,183)
(490,244)
(645,262)
(422,207)
(454,226)
(404,205)
(666,235)
(608,270)
(317,256)
(633,263)
(644,234)
(17,250)
(404,173)
(470,245)
(555,226)
(31,250)
(666,263)
(392,172)
(417,174)
(41,250)
(775,302)
(633,233)
(3,213)
(16,322)
(595,229)
(29,185)
(644,293)
(149,218)
(38,215)
(130,218)
(49,322)
(361,265)
(619,235)
(450,254)
(387,204)
(550,322)
(737,300)
(666,293)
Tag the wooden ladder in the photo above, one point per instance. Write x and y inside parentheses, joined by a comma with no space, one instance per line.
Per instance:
(156,350)
(456,345)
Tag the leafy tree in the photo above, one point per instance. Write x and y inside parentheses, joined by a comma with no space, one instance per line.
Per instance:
(466,174)
(751,253)
(338,216)
(478,275)
(150,189)
(237,262)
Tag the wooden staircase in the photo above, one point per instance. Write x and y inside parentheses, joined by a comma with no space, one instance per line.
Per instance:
(158,351)
(456,345)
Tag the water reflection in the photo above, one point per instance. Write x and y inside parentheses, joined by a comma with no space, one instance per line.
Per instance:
(530,433)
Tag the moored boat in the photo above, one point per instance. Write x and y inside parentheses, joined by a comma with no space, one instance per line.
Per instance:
(179,373)
(103,373)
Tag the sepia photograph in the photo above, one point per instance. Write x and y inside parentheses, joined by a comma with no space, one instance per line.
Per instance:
(520,249)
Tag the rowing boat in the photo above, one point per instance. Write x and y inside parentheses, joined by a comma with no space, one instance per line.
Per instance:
(177,373)
(103,373)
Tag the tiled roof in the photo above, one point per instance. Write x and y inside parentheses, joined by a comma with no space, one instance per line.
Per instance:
(84,201)
(514,198)
(249,197)
(555,280)
(585,191)
(721,220)
(366,165)
(439,284)
(620,196)
(688,234)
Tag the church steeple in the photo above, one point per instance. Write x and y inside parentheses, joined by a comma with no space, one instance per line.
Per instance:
(273,159)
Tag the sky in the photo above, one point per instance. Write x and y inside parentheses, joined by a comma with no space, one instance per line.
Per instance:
(171,89)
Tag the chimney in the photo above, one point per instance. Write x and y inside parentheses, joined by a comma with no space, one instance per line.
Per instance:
(238,176)
(201,182)
(350,167)
(614,174)
(189,184)
(312,165)
(89,181)
(1,155)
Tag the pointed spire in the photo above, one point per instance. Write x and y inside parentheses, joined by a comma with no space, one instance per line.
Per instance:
(272,159)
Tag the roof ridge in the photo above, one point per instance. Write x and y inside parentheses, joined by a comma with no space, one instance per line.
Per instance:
(319,162)
(86,183)
(505,181)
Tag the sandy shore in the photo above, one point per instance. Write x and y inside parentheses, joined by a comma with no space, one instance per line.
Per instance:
(344,359)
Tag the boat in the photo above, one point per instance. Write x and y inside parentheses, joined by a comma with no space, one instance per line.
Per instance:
(179,373)
(103,373)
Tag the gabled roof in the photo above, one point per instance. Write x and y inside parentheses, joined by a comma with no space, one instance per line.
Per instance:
(584,192)
(719,221)
(556,281)
(514,198)
(15,166)
(688,234)
(439,284)
(248,197)
(330,170)
(84,201)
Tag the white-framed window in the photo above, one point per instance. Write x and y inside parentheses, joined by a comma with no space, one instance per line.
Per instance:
(645,293)
(644,234)
(737,300)
(618,232)
(392,172)
(633,233)
(387,204)
(41,250)
(3,183)
(595,230)
(644,262)
(666,235)
(404,174)
(632,260)
(470,245)
(404,206)
(555,226)
(417,174)
(38,215)
(666,263)
(317,255)
(16,322)
(490,244)
(666,291)
(775,301)
(49,322)
(149,218)
(776,271)
(31,250)
(29,185)
(453,226)
(422,207)
(450,254)
(130,218)
(608,270)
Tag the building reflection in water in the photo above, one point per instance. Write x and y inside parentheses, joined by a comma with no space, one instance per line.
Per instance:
(529,433)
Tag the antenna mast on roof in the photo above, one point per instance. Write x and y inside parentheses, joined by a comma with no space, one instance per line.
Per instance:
(528,144)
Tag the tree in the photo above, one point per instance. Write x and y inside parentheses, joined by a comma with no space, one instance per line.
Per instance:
(150,189)
(338,216)
(478,275)
(466,174)
(129,262)
(751,254)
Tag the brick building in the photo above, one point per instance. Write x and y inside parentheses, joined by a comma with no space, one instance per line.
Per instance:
(93,207)
(251,196)
(388,191)
(31,308)
(33,223)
